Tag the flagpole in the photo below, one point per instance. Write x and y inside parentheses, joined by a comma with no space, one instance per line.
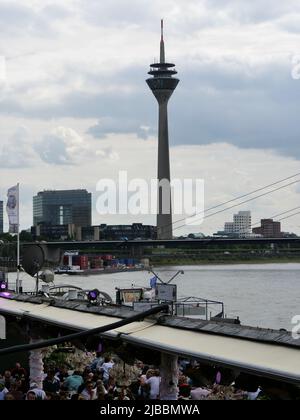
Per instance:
(18,244)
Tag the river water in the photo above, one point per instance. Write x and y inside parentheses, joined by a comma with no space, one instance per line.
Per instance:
(264,295)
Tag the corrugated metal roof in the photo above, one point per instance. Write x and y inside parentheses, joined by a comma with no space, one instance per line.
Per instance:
(271,336)
(264,359)
(271,360)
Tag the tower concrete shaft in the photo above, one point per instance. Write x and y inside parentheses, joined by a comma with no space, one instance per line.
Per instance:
(163,85)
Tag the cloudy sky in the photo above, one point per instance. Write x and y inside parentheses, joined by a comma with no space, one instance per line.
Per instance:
(75,108)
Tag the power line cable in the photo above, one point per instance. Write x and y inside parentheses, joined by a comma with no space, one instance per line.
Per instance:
(288,217)
(272,217)
(243,202)
(237,198)
(277,215)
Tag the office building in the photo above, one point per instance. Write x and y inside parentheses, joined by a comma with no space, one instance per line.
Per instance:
(241,225)
(229,228)
(50,232)
(269,229)
(94,233)
(127,232)
(65,207)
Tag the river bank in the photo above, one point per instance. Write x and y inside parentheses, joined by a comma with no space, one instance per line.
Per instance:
(226,261)
(168,262)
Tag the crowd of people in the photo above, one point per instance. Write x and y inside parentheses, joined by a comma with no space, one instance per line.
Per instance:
(108,378)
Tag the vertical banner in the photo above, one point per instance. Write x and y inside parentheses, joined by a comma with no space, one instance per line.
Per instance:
(2,328)
(12,209)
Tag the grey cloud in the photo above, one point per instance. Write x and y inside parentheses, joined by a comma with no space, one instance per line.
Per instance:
(55,12)
(17,152)
(110,125)
(247,111)
(256,11)
(221,101)
(118,12)
(12,15)
(290,23)
(63,146)
(17,19)
(212,103)
(146,14)
(52,150)
(81,104)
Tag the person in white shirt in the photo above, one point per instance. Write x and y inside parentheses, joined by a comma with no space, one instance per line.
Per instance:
(154,383)
(105,368)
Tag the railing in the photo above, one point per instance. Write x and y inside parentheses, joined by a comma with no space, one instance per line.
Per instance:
(193,306)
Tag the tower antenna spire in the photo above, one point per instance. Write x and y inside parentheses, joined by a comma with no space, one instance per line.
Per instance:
(162,43)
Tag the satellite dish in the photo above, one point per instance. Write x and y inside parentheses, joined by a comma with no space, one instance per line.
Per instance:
(47,276)
(33,259)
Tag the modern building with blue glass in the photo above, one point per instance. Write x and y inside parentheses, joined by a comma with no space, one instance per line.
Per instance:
(63,207)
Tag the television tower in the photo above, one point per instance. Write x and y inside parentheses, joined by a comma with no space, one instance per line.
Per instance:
(163,85)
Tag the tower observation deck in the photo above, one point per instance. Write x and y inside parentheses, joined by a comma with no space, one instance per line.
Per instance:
(162,83)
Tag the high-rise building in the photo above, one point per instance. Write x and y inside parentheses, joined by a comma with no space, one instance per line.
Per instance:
(241,225)
(269,229)
(1,217)
(162,83)
(65,207)
(229,228)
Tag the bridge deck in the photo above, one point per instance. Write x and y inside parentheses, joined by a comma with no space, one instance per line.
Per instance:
(193,243)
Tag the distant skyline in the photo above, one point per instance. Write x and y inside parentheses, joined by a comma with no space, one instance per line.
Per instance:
(74,105)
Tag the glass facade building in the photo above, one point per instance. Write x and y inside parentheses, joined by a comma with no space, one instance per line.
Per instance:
(63,207)
(130,232)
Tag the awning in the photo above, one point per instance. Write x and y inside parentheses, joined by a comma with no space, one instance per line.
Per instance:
(268,360)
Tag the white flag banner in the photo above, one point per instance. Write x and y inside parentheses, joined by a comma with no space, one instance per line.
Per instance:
(12,208)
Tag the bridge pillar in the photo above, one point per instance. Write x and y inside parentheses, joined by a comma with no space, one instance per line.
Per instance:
(169,377)
(137,252)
